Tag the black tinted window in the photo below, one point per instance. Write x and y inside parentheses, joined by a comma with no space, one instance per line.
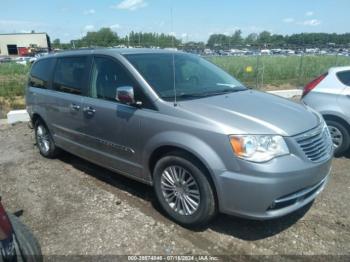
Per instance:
(344,77)
(41,73)
(190,75)
(107,75)
(70,74)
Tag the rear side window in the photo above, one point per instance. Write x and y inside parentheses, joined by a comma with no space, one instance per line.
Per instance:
(107,75)
(344,77)
(41,73)
(70,74)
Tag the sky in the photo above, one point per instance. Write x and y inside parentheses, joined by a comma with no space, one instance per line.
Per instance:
(193,20)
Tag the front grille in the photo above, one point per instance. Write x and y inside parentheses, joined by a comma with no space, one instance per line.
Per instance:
(316,144)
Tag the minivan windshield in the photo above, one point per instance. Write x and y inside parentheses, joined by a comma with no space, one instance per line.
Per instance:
(195,77)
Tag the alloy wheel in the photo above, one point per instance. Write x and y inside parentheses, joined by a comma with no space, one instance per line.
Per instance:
(43,139)
(180,190)
(337,136)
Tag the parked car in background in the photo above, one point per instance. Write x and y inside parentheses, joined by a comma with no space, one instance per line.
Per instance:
(329,94)
(33,59)
(17,243)
(178,122)
(37,56)
(23,60)
(5,59)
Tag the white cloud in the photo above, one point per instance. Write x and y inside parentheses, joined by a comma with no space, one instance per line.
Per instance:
(312,22)
(115,26)
(89,28)
(130,5)
(288,20)
(310,13)
(89,12)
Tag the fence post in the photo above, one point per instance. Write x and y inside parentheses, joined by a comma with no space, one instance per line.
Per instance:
(336,59)
(257,72)
(301,70)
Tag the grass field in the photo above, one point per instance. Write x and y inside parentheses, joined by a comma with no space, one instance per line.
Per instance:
(12,82)
(267,72)
(278,71)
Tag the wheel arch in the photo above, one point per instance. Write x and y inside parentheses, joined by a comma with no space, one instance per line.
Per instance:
(337,119)
(35,117)
(164,150)
(177,140)
(198,149)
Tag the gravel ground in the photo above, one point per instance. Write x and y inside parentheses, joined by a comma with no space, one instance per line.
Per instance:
(74,207)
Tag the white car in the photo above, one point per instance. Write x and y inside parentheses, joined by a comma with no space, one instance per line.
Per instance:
(329,94)
(22,60)
(37,56)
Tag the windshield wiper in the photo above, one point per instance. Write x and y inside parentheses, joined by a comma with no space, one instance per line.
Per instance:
(184,96)
(207,93)
(224,91)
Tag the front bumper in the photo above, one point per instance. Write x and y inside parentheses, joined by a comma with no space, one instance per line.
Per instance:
(273,189)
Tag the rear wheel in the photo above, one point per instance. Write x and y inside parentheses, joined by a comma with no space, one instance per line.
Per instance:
(183,190)
(340,136)
(44,141)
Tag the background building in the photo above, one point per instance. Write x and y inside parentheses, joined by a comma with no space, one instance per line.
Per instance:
(24,43)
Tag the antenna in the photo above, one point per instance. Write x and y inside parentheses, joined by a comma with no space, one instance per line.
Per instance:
(173,55)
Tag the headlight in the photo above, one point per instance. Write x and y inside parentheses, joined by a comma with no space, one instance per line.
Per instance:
(258,148)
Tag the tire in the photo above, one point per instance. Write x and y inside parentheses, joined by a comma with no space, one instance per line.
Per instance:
(185,213)
(28,245)
(44,141)
(339,131)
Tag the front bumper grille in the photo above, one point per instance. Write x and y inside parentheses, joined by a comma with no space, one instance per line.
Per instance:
(316,144)
(297,197)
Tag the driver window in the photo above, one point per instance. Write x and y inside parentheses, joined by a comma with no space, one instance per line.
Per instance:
(107,75)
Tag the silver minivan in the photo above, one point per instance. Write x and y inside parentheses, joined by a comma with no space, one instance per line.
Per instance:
(175,121)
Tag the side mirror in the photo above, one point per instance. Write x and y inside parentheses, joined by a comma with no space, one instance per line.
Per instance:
(125,95)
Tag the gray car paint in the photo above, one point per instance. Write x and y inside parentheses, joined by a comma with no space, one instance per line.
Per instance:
(123,138)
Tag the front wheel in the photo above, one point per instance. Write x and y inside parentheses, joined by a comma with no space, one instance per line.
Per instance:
(184,191)
(340,137)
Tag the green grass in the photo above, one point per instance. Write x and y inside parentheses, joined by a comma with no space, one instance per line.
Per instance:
(278,70)
(13,78)
(13,69)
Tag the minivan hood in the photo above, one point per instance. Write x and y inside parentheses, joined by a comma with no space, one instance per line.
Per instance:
(254,112)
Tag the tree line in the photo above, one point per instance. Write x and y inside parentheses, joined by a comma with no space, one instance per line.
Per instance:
(266,39)
(105,37)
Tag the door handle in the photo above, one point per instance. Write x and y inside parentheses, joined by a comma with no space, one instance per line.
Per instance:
(75,107)
(89,110)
